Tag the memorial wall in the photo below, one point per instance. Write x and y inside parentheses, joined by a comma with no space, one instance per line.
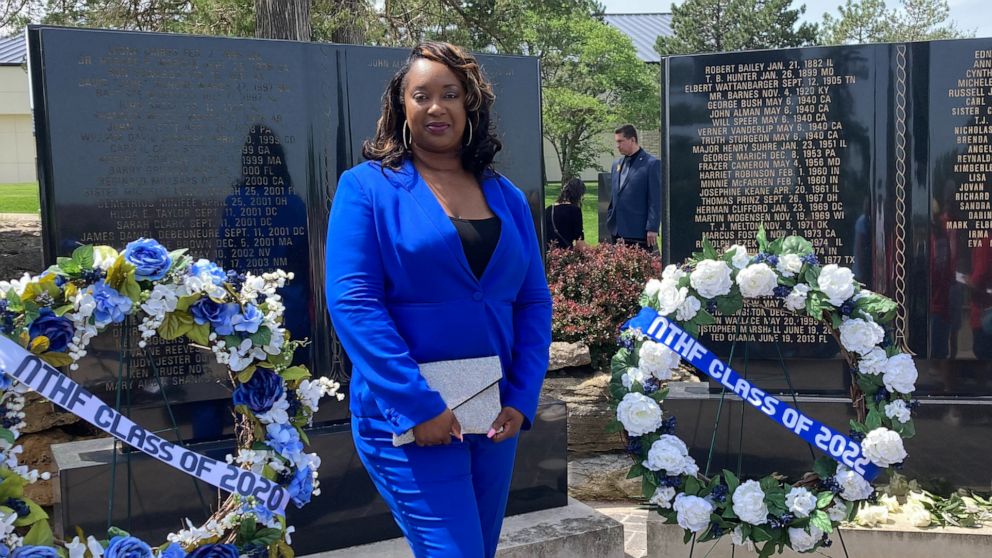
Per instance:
(881,156)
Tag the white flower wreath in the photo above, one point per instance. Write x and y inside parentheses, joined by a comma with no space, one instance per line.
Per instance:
(236,316)
(764,512)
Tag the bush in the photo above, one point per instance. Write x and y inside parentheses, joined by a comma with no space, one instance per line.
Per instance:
(595,291)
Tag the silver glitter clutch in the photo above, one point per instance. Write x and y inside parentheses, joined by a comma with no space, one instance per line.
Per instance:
(470,387)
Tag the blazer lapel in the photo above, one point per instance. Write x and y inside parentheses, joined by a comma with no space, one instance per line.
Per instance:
(497,203)
(432,209)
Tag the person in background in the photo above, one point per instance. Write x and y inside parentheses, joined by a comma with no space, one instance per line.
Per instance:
(563,219)
(433,256)
(634,215)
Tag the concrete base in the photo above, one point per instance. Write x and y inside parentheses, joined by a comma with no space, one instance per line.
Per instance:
(573,531)
(894,539)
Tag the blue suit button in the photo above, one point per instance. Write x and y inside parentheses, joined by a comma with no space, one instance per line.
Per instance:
(477,296)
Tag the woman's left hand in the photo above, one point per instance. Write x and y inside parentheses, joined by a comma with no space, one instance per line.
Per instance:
(506,425)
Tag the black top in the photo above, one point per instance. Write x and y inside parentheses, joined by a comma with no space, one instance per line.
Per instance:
(479,238)
(563,225)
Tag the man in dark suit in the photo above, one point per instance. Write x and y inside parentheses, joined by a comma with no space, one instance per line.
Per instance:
(635,195)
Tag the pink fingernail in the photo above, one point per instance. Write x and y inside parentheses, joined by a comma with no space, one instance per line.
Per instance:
(491,433)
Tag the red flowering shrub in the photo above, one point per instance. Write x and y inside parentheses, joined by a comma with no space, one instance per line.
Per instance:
(596,290)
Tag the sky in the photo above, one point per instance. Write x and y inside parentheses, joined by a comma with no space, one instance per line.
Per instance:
(971,15)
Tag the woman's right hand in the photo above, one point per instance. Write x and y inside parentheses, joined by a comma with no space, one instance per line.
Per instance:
(439,430)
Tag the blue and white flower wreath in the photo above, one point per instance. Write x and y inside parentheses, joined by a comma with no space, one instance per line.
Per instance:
(236,316)
(766,512)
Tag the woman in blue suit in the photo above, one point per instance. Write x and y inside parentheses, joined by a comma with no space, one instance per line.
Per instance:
(431,255)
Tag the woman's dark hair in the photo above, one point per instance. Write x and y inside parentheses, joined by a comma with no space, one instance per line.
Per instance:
(387,145)
(572,191)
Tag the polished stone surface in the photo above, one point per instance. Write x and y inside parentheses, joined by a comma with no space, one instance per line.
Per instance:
(231,148)
(348,511)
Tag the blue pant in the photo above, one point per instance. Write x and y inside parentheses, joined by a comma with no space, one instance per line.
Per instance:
(448,500)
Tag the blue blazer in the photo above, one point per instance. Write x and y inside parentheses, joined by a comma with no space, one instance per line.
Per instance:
(400,291)
(635,204)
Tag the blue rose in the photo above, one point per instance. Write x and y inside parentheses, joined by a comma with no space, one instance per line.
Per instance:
(283,439)
(210,269)
(57,329)
(215,551)
(111,305)
(217,314)
(301,487)
(249,320)
(32,551)
(150,259)
(4,551)
(262,514)
(127,547)
(260,392)
(5,383)
(173,551)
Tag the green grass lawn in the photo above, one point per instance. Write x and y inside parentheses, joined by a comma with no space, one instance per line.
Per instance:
(590,215)
(19,198)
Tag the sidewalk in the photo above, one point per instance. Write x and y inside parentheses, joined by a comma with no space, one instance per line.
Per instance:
(634,519)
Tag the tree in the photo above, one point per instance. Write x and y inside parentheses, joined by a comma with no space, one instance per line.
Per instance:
(282,19)
(869,21)
(592,81)
(12,15)
(728,25)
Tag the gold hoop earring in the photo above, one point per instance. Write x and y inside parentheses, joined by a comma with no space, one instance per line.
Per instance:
(468,140)
(406,142)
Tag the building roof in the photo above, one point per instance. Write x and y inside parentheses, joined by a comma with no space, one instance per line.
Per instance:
(13,51)
(643,30)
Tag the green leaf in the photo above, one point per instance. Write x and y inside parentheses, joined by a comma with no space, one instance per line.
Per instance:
(812,276)
(7,435)
(687,537)
(762,238)
(261,337)
(692,328)
(68,266)
(760,534)
(692,486)
(131,288)
(186,301)
(618,364)
(40,534)
(266,536)
(35,514)
(83,257)
(117,532)
(56,360)
(636,470)
(905,429)
(14,303)
(797,245)
(732,481)
(295,373)
(776,246)
(703,318)
(730,304)
(61,310)
(708,251)
(175,325)
(199,334)
(824,499)
(825,467)
(614,426)
(835,320)
(245,375)
(647,486)
(821,520)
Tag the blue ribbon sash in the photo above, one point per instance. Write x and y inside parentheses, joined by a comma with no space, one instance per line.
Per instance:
(61,390)
(838,446)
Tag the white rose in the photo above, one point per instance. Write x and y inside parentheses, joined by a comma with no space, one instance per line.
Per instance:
(873,363)
(789,264)
(837,512)
(633,374)
(854,486)
(670,297)
(711,278)
(898,411)
(672,272)
(639,414)
(837,283)
(860,336)
(920,498)
(749,503)
(687,311)
(670,454)
(800,501)
(737,537)
(740,258)
(657,360)
(757,280)
(796,300)
(652,288)
(802,541)
(900,374)
(889,502)
(663,497)
(693,512)
(870,516)
(917,515)
(883,447)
